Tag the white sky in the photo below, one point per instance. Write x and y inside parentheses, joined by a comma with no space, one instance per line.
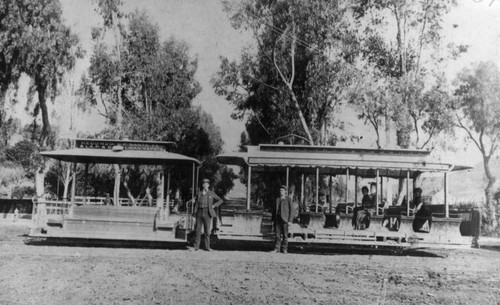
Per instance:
(205,27)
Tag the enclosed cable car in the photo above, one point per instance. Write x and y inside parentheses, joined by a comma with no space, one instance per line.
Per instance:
(391,223)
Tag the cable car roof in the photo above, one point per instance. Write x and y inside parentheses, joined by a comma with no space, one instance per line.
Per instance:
(121,152)
(363,162)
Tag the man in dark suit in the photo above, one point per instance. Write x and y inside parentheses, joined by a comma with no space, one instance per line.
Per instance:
(204,211)
(282,217)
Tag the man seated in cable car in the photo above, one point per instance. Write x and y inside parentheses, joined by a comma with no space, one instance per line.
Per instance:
(423,215)
(371,201)
(322,205)
(361,215)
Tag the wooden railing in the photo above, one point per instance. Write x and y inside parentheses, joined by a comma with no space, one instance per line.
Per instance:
(53,208)
(121,201)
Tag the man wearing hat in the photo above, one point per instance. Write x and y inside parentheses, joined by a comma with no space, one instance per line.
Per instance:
(204,211)
(282,216)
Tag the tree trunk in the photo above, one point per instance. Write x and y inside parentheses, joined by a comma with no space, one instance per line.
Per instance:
(129,193)
(491,219)
(67,181)
(3,97)
(399,39)
(301,116)
(119,113)
(116,192)
(387,131)
(42,100)
(149,196)
(323,133)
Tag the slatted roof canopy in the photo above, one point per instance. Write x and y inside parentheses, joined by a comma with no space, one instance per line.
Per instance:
(121,152)
(362,162)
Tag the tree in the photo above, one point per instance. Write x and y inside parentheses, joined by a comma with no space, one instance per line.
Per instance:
(477,101)
(10,49)
(409,62)
(291,86)
(369,95)
(112,60)
(156,84)
(48,49)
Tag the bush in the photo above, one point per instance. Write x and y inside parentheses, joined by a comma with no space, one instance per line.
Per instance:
(24,191)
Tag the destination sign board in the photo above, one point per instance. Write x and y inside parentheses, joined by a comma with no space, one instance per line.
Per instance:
(124,145)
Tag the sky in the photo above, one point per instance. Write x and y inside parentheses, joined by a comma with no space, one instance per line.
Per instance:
(205,27)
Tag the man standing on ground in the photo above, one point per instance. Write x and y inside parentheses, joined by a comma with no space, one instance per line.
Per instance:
(282,216)
(204,211)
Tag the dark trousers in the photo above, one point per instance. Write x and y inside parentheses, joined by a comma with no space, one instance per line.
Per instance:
(202,219)
(281,228)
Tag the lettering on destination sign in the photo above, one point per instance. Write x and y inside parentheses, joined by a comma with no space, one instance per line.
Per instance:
(127,145)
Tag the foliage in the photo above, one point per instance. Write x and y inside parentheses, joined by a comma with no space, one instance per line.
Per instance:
(291,86)
(154,78)
(10,50)
(406,64)
(477,104)
(8,128)
(153,84)
(26,154)
(36,41)
(18,164)
(20,192)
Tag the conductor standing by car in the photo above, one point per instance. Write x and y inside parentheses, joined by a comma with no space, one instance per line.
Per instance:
(282,216)
(204,211)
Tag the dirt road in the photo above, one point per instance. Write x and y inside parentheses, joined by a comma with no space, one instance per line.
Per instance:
(31,274)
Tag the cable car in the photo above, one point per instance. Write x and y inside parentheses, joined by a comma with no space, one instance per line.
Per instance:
(85,216)
(312,172)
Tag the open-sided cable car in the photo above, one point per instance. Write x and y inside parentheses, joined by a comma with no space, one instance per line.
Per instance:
(389,222)
(117,218)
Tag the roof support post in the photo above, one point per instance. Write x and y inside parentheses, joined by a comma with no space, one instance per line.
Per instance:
(197,179)
(58,181)
(317,189)
(116,191)
(330,184)
(446,203)
(85,181)
(167,209)
(73,190)
(287,179)
(161,186)
(382,190)
(73,184)
(346,188)
(302,187)
(249,187)
(407,193)
(356,188)
(193,180)
(377,201)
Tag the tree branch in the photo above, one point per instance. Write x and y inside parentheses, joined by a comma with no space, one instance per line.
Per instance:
(294,41)
(481,141)
(293,135)
(260,122)
(461,125)
(421,42)
(373,121)
(431,134)
(276,63)
(263,83)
